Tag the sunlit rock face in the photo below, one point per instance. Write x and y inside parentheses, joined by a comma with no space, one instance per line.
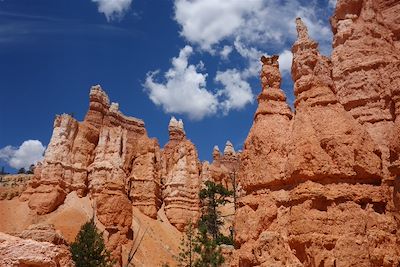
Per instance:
(265,148)
(181,177)
(327,200)
(108,156)
(315,185)
(224,167)
(15,251)
(366,67)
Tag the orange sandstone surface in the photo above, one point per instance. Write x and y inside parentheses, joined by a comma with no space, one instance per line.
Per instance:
(316,185)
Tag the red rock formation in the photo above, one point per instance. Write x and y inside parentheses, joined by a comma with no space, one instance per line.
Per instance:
(108,155)
(43,233)
(366,65)
(13,185)
(181,177)
(224,168)
(321,148)
(15,251)
(328,207)
(266,145)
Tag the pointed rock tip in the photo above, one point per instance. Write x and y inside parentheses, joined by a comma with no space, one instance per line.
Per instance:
(176,126)
(270,60)
(97,94)
(114,106)
(302,31)
(229,150)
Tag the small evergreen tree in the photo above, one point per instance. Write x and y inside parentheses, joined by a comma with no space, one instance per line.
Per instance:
(208,250)
(210,237)
(187,246)
(89,249)
(21,171)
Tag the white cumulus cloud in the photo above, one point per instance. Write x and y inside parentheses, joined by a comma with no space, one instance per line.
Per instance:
(30,152)
(113,9)
(285,61)
(237,91)
(226,50)
(184,90)
(256,22)
(206,22)
(332,3)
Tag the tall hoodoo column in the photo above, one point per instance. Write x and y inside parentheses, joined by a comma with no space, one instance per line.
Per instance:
(326,142)
(321,203)
(181,177)
(266,145)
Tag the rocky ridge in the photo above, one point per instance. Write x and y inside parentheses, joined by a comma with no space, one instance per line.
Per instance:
(328,201)
(315,186)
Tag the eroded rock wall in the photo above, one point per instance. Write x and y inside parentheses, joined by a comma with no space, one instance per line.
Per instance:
(366,66)
(15,251)
(324,202)
(108,156)
(181,177)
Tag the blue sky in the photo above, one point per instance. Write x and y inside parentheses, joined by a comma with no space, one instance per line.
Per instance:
(195,59)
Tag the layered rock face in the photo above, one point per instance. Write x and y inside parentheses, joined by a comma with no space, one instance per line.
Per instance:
(15,251)
(109,156)
(366,65)
(323,202)
(13,185)
(266,145)
(321,148)
(181,177)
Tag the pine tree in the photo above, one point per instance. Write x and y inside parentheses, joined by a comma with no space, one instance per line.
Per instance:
(89,249)
(210,237)
(187,246)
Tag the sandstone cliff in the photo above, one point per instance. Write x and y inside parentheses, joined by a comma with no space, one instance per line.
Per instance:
(107,156)
(37,246)
(316,186)
(323,203)
(366,66)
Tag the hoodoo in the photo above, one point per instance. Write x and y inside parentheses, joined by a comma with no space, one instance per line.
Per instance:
(315,185)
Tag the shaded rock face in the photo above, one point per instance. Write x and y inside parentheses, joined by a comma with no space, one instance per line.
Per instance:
(322,202)
(181,177)
(15,251)
(366,65)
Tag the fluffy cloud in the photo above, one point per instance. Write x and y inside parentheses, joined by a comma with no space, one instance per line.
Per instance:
(184,90)
(226,50)
(113,9)
(30,152)
(258,22)
(237,91)
(285,61)
(231,30)
(206,22)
